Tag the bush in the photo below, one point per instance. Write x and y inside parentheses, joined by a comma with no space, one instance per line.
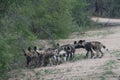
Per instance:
(23,21)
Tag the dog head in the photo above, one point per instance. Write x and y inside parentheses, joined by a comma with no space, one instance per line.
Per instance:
(27,52)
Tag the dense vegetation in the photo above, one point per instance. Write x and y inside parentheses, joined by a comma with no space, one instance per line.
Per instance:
(24,21)
(104,8)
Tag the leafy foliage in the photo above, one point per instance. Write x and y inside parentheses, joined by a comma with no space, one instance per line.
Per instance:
(104,8)
(23,21)
(78,12)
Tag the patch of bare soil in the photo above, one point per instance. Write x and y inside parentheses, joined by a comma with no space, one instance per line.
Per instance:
(108,21)
(106,68)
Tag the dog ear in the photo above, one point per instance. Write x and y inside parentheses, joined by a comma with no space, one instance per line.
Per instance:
(75,42)
(80,41)
(29,48)
(35,48)
(58,44)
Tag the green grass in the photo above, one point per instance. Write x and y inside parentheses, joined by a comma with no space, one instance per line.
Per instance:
(106,74)
(22,75)
(108,69)
(77,57)
(109,65)
(102,77)
(116,53)
(38,73)
(45,72)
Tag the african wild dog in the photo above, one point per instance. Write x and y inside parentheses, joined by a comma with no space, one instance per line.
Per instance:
(62,56)
(90,46)
(49,56)
(31,57)
(58,57)
(70,50)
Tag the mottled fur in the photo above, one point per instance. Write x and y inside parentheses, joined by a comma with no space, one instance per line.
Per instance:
(31,57)
(70,50)
(49,56)
(90,46)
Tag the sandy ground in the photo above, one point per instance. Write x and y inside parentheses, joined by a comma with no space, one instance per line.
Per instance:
(106,20)
(106,68)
